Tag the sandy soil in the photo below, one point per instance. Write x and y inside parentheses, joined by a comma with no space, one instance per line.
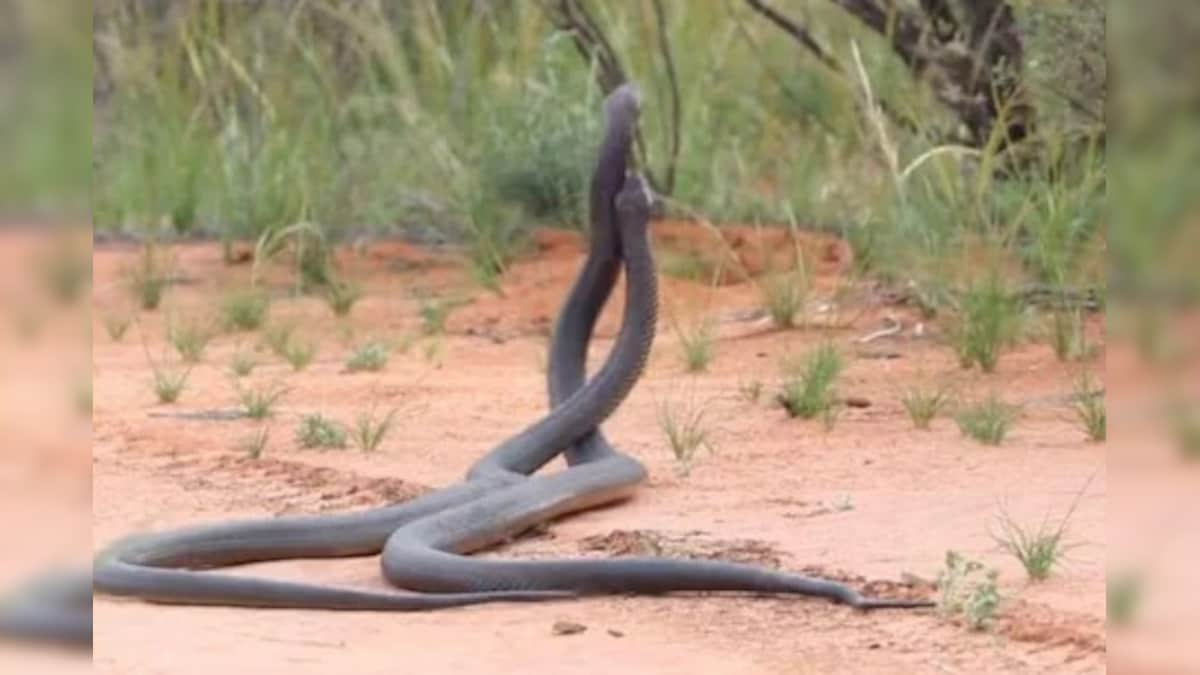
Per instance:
(871,500)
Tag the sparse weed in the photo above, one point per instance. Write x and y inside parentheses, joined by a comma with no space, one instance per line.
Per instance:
(259,403)
(923,405)
(808,389)
(116,326)
(1039,550)
(1090,409)
(255,444)
(371,356)
(964,593)
(190,338)
(242,363)
(342,295)
(784,295)
(684,265)
(245,310)
(369,431)
(149,277)
(317,431)
(699,345)
(277,336)
(987,421)
(751,390)
(169,383)
(434,312)
(986,323)
(1068,337)
(299,352)
(684,426)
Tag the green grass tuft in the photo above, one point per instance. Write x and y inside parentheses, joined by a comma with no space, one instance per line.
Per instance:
(808,385)
(923,405)
(317,431)
(987,421)
(370,356)
(245,310)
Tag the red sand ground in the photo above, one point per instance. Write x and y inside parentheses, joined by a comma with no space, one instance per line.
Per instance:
(872,499)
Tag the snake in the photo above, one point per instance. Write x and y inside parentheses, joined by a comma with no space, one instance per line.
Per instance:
(424,543)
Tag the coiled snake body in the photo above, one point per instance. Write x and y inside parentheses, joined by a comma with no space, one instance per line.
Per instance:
(424,541)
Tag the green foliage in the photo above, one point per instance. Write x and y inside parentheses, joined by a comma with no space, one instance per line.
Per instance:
(699,344)
(254,445)
(987,421)
(317,431)
(683,424)
(116,325)
(370,356)
(265,117)
(245,310)
(190,337)
(169,383)
(986,323)
(808,385)
(369,431)
(341,296)
(242,363)
(965,593)
(923,405)
(148,278)
(1090,410)
(259,403)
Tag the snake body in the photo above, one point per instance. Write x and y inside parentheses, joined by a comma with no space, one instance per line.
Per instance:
(423,541)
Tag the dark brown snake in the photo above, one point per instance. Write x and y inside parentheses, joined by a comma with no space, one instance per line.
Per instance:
(424,542)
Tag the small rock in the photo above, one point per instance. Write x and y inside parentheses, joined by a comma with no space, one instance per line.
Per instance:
(567,628)
(615,633)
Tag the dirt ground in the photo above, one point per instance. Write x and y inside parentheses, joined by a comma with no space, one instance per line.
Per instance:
(871,500)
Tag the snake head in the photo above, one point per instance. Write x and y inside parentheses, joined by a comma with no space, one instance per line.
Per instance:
(624,102)
(635,199)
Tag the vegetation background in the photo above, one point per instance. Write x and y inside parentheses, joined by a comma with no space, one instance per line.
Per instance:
(472,122)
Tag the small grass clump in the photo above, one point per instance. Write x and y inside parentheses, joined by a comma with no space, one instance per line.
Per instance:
(254,445)
(923,405)
(259,403)
(242,363)
(342,296)
(1040,550)
(1067,336)
(808,386)
(969,590)
(987,322)
(683,425)
(699,345)
(116,325)
(370,356)
(369,431)
(245,310)
(317,431)
(987,421)
(1089,409)
(190,339)
(297,351)
(169,383)
(751,390)
(277,336)
(148,278)
(434,312)
(784,296)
